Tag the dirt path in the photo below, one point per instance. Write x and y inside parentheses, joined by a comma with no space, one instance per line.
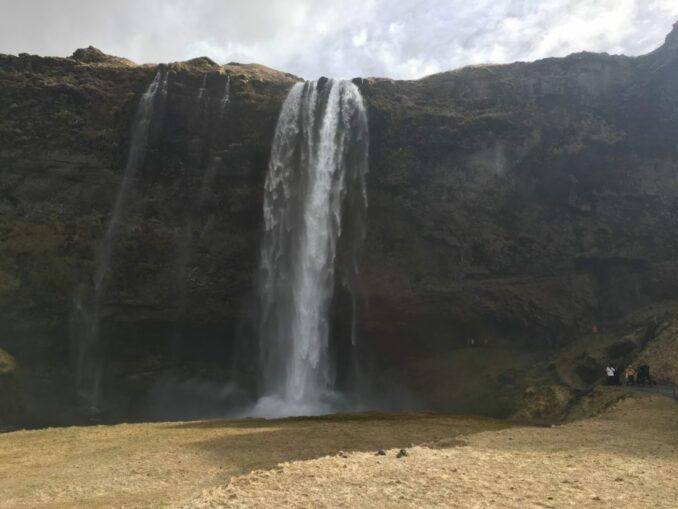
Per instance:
(669,391)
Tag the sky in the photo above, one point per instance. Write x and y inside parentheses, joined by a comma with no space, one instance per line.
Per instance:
(401,39)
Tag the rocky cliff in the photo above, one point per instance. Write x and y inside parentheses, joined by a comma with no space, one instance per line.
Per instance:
(511,208)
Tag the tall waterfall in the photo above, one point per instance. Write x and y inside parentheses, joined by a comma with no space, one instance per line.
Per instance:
(314,212)
(86,316)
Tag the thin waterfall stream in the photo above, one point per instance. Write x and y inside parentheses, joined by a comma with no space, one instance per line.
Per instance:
(87,311)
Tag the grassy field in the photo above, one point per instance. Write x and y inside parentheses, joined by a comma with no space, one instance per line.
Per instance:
(628,454)
(153,465)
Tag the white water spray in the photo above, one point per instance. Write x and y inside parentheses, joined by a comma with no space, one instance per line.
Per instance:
(316,180)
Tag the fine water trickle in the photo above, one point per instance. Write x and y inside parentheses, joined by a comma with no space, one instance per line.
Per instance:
(135,157)
(314,213)
(207,142)
(86,316)
(202,101)
(226,98)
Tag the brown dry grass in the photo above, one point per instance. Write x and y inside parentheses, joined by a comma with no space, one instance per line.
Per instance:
(627,455)
(153,465)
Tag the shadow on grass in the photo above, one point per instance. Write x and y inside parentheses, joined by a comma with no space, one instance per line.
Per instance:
(272,442)
(357,417)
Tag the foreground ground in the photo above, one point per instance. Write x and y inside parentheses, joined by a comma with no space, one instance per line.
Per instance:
(626,456)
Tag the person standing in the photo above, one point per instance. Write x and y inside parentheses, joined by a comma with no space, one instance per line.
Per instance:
(617,375)
(610,372)
(644,374)
(630,374)
(640,374)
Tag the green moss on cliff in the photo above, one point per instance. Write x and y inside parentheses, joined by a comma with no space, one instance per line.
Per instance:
(7,364)
(36,267)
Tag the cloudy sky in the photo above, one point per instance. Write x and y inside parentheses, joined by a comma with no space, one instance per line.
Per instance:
(341,38)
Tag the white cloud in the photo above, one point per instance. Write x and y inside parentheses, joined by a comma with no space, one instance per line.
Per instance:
(360,38)
(401,39)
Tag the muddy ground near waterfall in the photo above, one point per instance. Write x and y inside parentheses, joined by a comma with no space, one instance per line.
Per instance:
(626,455)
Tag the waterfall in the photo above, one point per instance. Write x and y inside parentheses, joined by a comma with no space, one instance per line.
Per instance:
(135,157)
(315,182)
(202,89)
(226,98)
(86,315)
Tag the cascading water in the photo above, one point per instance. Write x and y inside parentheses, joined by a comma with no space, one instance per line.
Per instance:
(135,157)
(226,98)
(86,316)
(316,182)
(202,89)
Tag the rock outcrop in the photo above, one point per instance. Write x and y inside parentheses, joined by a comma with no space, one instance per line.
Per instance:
(11,405)
(512,207)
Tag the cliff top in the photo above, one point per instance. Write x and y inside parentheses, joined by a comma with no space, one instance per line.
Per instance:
(92,55)
(95,58)
(672,37)
(247,71)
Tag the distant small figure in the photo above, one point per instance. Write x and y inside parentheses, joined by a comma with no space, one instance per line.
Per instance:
(643,374)
(630,374)
(617,375)
(610,372)
(594,329)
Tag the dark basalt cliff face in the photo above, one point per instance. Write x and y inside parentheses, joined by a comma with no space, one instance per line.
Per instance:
(510,206)
(537,196)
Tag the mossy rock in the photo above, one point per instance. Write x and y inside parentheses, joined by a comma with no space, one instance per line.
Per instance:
(547,403)
(598,401)
(661,354)
(10,396)
(7,364)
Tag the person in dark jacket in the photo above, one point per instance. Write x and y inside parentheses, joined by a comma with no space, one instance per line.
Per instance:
(644,374)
